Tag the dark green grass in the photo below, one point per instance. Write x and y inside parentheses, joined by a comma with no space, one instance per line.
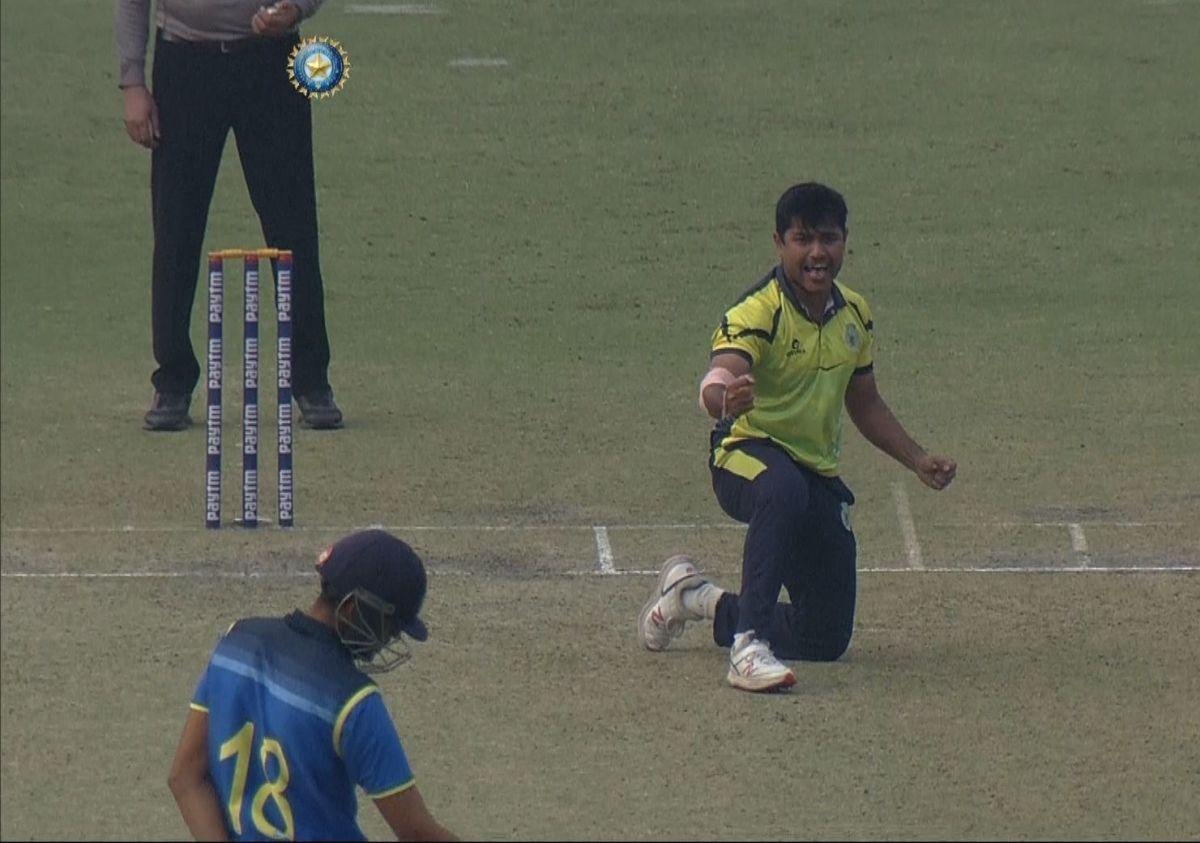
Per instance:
(976,708)
(524,266)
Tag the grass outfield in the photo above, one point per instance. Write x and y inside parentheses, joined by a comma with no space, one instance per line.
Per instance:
(1012,706)
(523,264)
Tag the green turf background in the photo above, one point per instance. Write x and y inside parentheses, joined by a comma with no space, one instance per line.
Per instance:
(523,268)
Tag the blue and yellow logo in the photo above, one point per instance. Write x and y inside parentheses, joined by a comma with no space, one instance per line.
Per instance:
(318,67)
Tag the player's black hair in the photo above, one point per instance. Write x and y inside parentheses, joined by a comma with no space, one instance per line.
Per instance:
(814,204)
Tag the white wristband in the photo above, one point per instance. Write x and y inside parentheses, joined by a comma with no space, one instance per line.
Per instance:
(716,375)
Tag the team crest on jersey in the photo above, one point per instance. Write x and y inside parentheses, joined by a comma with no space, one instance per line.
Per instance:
(852,338)
(318,67)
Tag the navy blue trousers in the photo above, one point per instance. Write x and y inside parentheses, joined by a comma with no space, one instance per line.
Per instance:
(201,96)
(798,538)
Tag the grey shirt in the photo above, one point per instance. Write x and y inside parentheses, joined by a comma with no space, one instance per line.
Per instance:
(184,20)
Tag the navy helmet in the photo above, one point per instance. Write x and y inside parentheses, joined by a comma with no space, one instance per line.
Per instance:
(383,581)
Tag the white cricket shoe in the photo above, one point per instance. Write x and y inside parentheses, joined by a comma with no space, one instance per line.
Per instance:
(663,617)
(753,667)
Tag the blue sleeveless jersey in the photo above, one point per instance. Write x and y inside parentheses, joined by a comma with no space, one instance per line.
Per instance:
(293,727)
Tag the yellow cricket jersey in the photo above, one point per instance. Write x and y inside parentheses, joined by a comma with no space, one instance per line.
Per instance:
(801,369)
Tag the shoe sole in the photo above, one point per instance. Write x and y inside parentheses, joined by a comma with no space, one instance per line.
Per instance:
(322,425)
(782,684)
(659,593)
(168,428)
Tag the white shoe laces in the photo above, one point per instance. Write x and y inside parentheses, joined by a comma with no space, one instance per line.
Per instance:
(756,657)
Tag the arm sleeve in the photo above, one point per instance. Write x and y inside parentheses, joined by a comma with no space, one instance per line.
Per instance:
(131,21)
(200,697)
(746,328)
(371,749)
(307,8)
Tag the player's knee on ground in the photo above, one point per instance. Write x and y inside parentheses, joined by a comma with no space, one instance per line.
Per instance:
(834,627)
(829,649)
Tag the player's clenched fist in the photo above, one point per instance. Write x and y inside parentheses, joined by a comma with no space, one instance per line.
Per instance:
(739,396)
(727,390)
(936,472)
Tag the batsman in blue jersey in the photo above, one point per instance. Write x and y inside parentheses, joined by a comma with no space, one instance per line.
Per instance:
(285,723)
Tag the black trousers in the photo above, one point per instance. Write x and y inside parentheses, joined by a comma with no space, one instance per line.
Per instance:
(799,538)
(201,94)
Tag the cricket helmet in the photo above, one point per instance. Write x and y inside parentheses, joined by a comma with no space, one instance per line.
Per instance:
(382,582)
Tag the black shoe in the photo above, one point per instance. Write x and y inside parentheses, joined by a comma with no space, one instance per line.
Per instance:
(168,411)
(319,410)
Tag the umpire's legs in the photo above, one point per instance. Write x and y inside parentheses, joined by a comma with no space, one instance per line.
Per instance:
(273,129)
(190,97)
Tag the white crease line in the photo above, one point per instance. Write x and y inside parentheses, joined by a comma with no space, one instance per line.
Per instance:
(604,554)
(149,575)
(693,526)
(457,572)
(1069,523)
(999,569)
(468,61)
(414,528)
(912,548)
(1049,569)
(395,9)
(518,528)
(1079,543)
